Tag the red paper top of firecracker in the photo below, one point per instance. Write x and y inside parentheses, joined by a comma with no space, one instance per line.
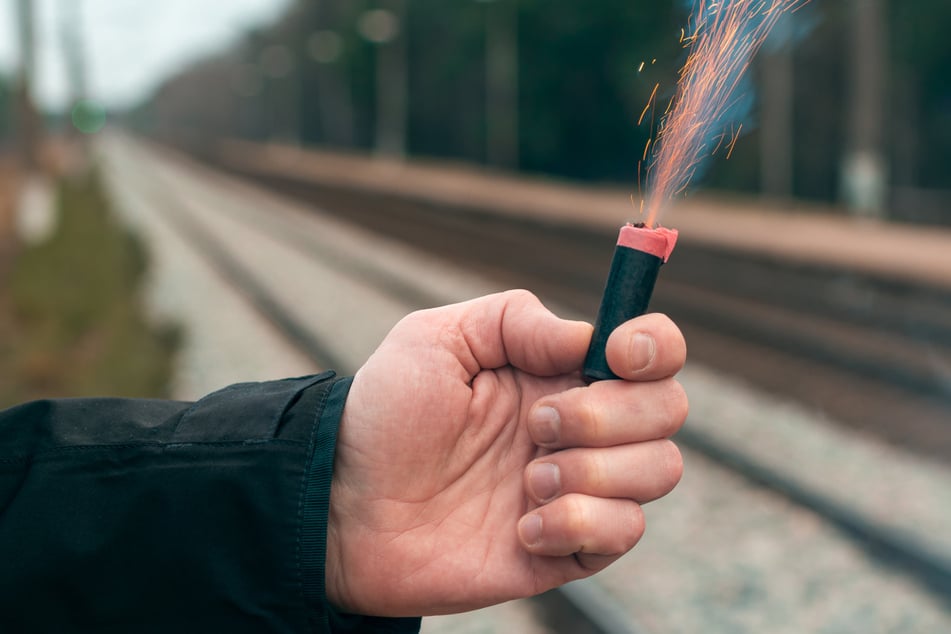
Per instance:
(658,242)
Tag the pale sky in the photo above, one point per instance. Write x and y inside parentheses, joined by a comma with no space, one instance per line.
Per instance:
(131,45)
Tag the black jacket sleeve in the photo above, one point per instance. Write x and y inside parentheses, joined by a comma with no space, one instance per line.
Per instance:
(121,515)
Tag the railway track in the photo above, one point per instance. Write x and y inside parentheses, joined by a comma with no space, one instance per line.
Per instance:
(771,306)
(496,246)
(873,353)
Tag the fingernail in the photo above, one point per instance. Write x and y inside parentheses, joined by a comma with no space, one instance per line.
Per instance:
(545,424)
(642,351)
(545,481)
(530,529)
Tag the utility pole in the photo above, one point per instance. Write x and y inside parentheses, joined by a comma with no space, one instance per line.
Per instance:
(28,120)
(71,36)
(501,83)
(326,47)
(776,114)
(864,170)
(386,28)
(280,68)
(74,58)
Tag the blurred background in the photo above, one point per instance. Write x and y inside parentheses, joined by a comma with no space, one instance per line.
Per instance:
(548,87)
(175,177)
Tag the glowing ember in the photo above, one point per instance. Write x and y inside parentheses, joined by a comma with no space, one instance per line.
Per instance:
(722,37)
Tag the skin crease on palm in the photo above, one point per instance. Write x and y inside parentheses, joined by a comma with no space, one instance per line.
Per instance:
(474,466)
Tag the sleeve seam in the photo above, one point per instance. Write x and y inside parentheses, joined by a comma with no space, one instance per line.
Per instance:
(314,506)
(312,442)
(166,445)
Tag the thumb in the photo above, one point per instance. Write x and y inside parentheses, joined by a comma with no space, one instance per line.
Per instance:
(514,328)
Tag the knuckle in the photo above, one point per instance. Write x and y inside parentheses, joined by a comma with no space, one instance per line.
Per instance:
(628,540)
(590,425)
(419,321)
(521,295)
(635,528)
(450,335)
(673,337)
(676,407)
(637,521)
(411,319)
(673,461)
(596,472)
(577,516)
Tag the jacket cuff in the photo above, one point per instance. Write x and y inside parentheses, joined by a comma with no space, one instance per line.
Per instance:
(315,514)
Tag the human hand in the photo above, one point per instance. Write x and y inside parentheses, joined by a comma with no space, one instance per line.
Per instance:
(444,496)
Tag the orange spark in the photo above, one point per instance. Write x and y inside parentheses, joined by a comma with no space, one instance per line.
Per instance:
(648,106)
(736,137)
(722,38)
(719,144)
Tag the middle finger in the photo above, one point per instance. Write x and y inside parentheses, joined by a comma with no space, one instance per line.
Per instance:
(608,413)
(641,472)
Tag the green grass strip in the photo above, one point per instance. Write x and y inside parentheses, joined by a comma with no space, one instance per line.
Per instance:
(75,325)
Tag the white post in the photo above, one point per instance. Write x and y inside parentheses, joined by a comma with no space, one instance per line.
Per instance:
(864,170)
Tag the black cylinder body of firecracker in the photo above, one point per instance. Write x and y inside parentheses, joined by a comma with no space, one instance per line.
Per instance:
(627,294)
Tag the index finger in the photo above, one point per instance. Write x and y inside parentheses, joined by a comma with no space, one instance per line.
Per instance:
(608,413)
(646,348)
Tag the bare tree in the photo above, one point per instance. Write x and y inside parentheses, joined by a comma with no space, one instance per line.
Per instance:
(776,115)
(326,46)
(501,93)
(28,120)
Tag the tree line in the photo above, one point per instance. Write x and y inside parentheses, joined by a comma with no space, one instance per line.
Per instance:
(858,92)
